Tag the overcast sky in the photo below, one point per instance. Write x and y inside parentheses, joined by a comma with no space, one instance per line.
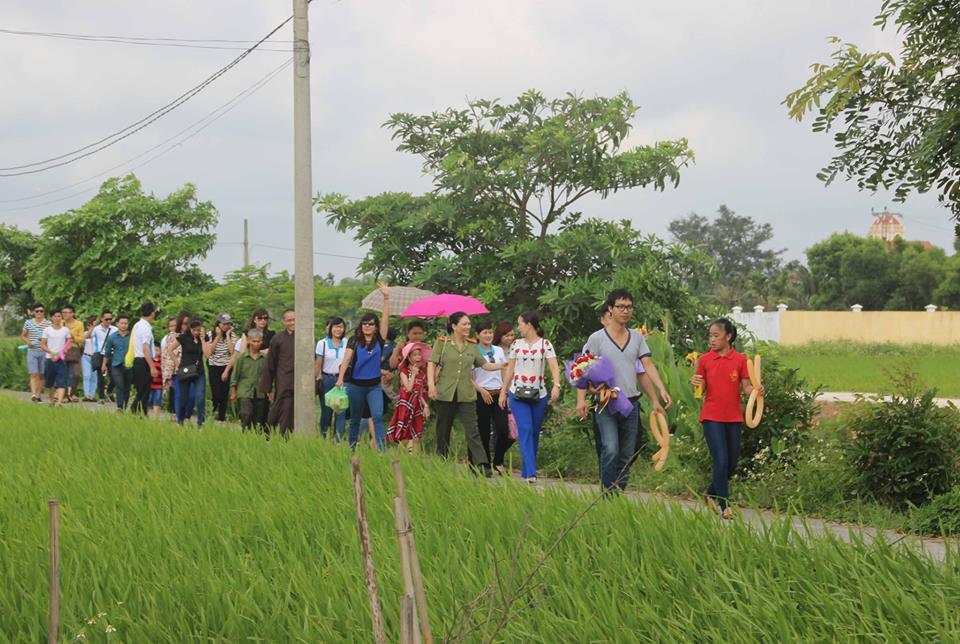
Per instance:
(712,72)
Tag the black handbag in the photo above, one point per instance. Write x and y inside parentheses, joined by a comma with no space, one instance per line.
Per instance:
(188,372)
(96,360)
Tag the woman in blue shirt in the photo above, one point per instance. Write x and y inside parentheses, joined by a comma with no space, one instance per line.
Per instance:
(362,357)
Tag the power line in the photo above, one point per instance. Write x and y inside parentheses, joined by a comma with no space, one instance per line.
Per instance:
(151,42)
(223,109)
(315,252)
(249,91)
(131,129)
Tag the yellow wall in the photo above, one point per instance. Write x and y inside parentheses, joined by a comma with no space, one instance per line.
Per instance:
(899,327)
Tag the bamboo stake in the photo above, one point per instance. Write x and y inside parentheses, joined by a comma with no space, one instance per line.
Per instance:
(53,636)
(407,622)
(402,526)
(419,593)
(376,613)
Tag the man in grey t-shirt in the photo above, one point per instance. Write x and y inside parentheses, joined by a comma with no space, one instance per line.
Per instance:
(624,348)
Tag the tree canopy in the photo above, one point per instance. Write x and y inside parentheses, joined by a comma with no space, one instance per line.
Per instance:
(503,221)
(896,122)
(16,248)
(847,269)
(736,244)
(123,247)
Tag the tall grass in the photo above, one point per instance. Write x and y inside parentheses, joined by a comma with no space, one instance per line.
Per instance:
(179,535)
(13,365)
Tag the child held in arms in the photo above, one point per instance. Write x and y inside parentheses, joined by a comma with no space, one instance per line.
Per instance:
(244,382)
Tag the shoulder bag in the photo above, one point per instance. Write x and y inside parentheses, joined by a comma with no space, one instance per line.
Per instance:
(96,360)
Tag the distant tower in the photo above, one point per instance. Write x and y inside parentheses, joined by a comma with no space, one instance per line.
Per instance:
(887,226)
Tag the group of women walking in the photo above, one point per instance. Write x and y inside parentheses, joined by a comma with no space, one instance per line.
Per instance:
(492,379)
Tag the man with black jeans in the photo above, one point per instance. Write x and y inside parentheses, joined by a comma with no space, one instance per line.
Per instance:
(99,335)
(143,369)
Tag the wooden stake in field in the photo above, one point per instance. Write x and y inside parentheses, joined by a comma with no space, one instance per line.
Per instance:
(379,634)
(53,636)
(419,593)
(407,621)
(400,521)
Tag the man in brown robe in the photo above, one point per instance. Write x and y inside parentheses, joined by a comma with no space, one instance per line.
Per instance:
(277,379)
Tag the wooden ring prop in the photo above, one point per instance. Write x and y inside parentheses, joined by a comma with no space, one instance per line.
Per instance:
(661,433)
(754,411)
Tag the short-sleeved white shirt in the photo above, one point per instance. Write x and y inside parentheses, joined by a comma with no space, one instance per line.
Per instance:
(332,356)
(490,380)
(531,364)
(142,334)
(56,338)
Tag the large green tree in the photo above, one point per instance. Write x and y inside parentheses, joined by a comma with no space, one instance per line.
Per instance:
(123,247)
(847,269)
(16,248)
(503,221)
(736,243)
(896,119)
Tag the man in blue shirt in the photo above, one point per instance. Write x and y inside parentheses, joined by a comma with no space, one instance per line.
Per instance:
(114,353)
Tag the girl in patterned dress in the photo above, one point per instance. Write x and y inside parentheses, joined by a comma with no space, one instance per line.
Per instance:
(410,409)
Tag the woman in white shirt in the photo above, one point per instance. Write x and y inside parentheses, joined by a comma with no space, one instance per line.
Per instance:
(489,384)
(526,366)
(329,357)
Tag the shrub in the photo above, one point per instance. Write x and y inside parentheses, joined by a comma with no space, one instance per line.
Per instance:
(13,366)
(903,451)
(940,516)
(790,409)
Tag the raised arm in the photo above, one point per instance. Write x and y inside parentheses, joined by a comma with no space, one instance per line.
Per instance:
(385,314)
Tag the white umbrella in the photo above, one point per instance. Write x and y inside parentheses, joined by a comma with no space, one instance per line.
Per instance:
(400,298)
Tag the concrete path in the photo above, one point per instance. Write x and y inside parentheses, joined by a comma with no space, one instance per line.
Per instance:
(933,547)
(849,397)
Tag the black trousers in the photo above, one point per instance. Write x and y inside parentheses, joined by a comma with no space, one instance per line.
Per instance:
(253,413)
(219,391)
(142,381)
(104,381)
(492,420)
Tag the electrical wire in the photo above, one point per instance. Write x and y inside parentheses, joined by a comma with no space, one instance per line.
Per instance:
(315,252)
(153,42)
(236,99)
(116,137)
(223,111)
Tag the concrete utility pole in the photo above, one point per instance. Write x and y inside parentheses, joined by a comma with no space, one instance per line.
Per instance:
(246,244)
(304,412)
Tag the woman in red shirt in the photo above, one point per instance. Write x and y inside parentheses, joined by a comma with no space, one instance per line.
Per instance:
(723,373)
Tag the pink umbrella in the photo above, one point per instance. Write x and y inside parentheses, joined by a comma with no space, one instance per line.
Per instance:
(444,304)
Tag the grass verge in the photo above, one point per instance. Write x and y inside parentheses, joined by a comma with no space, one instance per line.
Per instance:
(178,535)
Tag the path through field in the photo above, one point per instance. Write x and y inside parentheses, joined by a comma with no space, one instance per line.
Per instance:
(933,547)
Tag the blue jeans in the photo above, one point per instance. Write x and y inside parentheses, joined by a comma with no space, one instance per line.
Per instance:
(373,395)
(328,382)
(723,439)
(89,377)
(175,392)
(121,384)
(192,394)
(529,417)
(618,442)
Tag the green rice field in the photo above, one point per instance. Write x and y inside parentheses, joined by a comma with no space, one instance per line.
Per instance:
(861,368)
(169,534)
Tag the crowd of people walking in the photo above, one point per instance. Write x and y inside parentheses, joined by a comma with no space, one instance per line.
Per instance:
(496,379)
